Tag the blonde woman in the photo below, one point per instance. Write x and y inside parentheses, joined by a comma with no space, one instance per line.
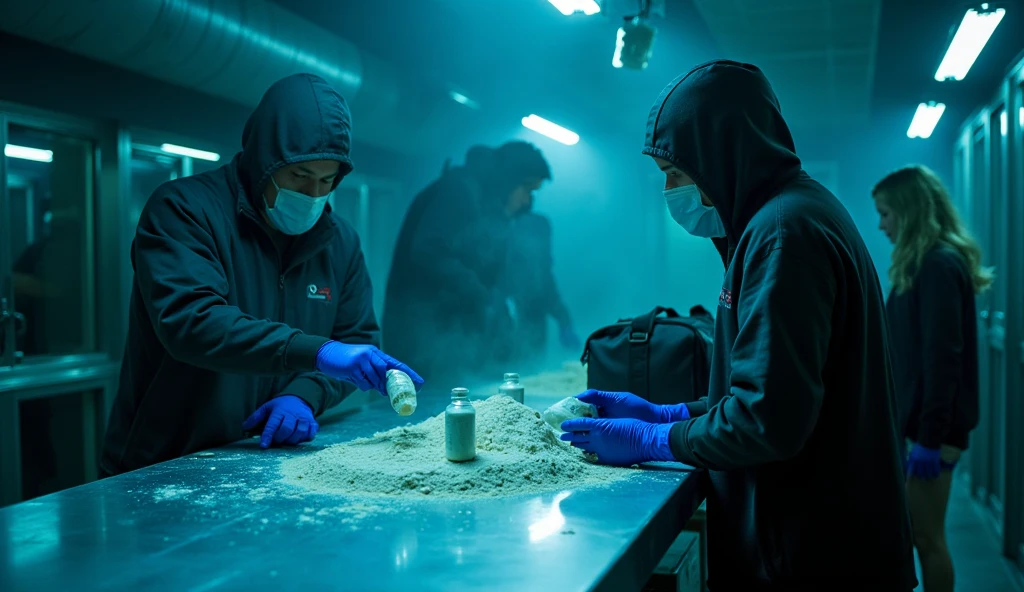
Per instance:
(936,271)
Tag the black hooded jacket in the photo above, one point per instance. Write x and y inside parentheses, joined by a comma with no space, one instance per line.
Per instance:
(445,310)
(798,431)
(445,274)
(221,318)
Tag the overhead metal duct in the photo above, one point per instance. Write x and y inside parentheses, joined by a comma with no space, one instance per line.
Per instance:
(235,49)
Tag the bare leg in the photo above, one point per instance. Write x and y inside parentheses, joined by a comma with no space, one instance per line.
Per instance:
(928,501)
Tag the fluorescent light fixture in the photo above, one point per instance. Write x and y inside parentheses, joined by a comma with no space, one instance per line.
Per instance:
(1004,123)
(568,7)
(464,100)
(546,128)
(190,152)
(925,119)
(26,153)
(974,32)
(619,44)
(1020,116)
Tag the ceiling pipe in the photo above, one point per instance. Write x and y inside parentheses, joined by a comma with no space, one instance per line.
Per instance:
(234,50)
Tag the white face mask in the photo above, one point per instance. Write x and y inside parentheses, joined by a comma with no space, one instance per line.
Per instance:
(696,218)
(293,212)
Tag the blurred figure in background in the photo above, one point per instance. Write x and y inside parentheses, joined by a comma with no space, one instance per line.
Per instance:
(936,272)
(446,304)
(534,293)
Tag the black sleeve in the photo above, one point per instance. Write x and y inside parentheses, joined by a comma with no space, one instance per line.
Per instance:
(784,314)
(355,322)
(183,286)
(698,407)
(553,305)
(441,233)
(941,289)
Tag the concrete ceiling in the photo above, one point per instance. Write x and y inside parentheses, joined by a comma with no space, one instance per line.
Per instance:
(818,54)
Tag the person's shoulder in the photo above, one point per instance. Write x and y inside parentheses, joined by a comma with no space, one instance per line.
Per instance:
(804,220)
(943,259)
(535,222)
(344,229)
(454,186)
(346,241)
(205,193)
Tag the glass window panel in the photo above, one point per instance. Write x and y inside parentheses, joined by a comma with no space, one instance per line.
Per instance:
(50,180)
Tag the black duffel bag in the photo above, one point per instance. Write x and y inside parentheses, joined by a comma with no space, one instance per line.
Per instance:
(664,359)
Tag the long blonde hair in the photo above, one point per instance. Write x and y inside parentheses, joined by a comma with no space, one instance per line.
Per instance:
(924,217)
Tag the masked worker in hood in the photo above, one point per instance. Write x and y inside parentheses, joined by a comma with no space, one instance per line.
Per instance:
(446,308)
(251,306)
(798,432)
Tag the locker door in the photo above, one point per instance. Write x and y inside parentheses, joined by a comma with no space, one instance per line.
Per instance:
(1013,535)
(995,255)
(977,167)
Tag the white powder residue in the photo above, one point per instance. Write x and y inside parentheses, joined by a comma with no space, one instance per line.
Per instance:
(258,493)
(170,492)
(517,453)
(354,512)
(570,381)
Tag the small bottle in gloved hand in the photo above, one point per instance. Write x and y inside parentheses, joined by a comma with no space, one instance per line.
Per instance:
(402,392)
(460,427)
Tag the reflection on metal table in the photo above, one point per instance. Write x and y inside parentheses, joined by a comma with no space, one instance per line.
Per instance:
(226,522)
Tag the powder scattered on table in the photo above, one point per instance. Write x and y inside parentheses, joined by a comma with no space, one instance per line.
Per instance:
(170,492)
(517,453)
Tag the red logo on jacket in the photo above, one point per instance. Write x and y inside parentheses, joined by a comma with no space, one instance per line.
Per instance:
(725,298)
(321,294)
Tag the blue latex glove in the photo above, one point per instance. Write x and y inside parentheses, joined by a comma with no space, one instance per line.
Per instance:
(924,463)
(289,421)
(362,365)
(568,338)
(620,442)
(630,406)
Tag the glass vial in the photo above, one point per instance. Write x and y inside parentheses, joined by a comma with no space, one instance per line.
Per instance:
(512,387)
(460,427)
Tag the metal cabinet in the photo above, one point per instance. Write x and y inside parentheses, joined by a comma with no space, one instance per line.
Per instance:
(989,191)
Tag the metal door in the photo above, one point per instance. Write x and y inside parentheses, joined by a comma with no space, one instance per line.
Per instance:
(977,167)
(995,255)
(55,377)
(1013,535)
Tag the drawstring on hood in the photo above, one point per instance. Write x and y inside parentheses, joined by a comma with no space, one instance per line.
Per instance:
(721,124)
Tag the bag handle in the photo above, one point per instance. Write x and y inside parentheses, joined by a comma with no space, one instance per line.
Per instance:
(638,371)
(699,311)
(643,325)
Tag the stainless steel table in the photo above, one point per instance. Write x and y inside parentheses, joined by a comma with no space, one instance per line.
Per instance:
(225,522)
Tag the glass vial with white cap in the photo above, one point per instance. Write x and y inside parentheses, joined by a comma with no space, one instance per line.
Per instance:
(401,391)
(460,427)
(512,387)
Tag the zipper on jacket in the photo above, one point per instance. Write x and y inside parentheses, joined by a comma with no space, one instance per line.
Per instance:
(280,298)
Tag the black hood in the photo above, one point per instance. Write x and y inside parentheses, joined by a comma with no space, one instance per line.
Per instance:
(721,124)
(300,118)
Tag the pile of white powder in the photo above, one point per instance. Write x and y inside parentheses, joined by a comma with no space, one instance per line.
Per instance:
(517,453)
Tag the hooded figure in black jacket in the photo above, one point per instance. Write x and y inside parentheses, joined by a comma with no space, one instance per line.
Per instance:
(798,432)
(446,308)
(251,305)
